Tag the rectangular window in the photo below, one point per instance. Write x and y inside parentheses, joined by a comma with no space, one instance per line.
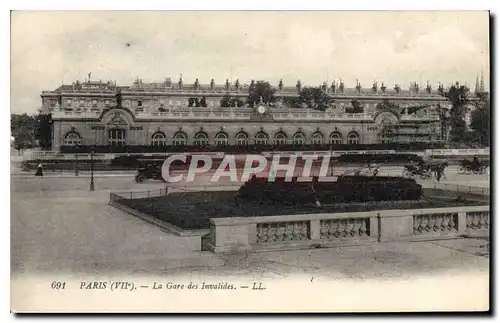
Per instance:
(139,103)
(94,101)
(107,101)
(68,101)
(82,102)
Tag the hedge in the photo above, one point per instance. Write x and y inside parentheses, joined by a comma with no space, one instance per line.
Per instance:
(343,191)
(416,146)
(374,158)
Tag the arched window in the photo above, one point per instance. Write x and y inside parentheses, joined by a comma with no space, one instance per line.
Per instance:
(221,139)
(241,139)
(201,139)
(353,138)
(72,139)
(261,138)
(335,138)
(299,139)
(317,138)
(158,139)
(386,136)
(180,139)
(280,139)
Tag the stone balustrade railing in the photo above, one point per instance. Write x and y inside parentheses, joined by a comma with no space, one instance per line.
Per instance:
(335,229)
(236,115)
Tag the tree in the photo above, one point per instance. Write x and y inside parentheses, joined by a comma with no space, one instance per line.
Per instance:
(356,107)
(258,90)
(203,102)
(386,105)
(237,102)
(314,98)
(444,119)
(44,131)
(225,102)
(480,122)
(292,101)
(23,128)
(458,95)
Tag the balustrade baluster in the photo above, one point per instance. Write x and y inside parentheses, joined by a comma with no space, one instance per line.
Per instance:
(426,222)
(482,222)
(446,222)
(438,220)
(417,224)
(362,228)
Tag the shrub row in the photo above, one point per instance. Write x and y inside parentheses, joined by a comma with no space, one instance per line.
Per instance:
(416,146)
(373,158)
(346,191)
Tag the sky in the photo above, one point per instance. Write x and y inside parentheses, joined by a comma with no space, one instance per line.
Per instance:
(50,48)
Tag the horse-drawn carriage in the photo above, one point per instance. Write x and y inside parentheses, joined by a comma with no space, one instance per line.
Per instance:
(149,169)
(425,170)
(474,166)
(422,170)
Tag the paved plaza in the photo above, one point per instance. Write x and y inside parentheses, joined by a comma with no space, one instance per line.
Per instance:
(58,224)
(59,227)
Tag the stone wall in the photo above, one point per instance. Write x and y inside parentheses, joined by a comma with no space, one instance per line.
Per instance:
(341,229)
(169,129)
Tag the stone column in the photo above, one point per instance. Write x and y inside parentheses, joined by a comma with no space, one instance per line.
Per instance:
(315,228)
(56,136)
(462,223)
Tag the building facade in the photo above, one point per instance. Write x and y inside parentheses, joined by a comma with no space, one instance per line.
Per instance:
(162,115)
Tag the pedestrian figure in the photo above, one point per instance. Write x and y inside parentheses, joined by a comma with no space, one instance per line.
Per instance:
(443,168)
(39,170)
(439,173)
(375,172)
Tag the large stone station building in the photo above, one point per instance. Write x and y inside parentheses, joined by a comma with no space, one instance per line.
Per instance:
(161,115)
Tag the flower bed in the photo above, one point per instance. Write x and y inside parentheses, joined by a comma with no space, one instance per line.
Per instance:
(191,211)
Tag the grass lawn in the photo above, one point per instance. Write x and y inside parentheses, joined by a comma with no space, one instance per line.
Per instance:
(194,209)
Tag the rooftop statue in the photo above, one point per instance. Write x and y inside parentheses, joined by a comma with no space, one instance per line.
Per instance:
(358,86)
(428,88)
(180,82)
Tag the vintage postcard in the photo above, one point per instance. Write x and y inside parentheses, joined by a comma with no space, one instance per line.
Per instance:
(250,161)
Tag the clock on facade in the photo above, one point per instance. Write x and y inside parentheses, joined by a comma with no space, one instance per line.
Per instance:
(261,109)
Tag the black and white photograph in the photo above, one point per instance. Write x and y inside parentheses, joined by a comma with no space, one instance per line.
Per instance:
(250,161)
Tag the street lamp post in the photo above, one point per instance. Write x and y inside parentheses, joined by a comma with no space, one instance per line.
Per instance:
(92,170)
(76,164)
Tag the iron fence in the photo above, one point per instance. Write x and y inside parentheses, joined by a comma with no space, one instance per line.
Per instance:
(484,191)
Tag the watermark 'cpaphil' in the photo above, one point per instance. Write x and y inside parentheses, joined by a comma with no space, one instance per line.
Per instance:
(247,165)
